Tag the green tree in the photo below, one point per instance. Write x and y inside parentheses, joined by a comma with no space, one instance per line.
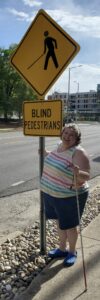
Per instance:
(13,89)
(7,78)
(22,92)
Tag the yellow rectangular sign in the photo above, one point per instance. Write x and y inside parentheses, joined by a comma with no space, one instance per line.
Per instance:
(42,118)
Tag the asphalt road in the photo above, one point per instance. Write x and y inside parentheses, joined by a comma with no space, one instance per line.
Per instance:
(19,159)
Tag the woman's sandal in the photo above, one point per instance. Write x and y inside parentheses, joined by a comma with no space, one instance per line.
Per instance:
(70,259)
(57,253)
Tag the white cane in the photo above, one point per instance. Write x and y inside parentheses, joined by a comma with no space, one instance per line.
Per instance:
(82,249)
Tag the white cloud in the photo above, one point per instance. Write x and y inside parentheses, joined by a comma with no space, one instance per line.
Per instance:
(20,14)
(79,23)
(88,76)
(89,25)
(32,3)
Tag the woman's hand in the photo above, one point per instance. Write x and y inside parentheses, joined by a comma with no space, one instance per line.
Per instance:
(45,152)
(80,176)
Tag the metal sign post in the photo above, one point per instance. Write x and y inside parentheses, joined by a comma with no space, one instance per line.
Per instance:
(42,214)
(40,120)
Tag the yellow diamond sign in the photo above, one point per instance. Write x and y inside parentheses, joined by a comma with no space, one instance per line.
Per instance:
(43,53)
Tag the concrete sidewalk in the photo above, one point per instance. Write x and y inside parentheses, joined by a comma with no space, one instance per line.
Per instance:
(56,282)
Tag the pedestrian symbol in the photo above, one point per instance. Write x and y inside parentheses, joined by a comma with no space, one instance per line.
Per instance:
(44,53)
(50,43)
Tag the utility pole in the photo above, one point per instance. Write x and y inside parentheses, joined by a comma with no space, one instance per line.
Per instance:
(68,99)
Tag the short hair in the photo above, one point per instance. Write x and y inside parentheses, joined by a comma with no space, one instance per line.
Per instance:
(76,130)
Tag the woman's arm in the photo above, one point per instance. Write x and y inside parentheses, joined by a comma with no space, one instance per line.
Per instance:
(81,167)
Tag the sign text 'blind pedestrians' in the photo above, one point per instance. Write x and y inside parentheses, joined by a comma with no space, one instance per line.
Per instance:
(43,53)
(43,118)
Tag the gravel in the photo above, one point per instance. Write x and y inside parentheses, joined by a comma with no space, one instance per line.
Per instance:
(20,258)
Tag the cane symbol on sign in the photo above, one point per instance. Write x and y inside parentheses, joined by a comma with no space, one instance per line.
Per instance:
(35,61)
(50,44)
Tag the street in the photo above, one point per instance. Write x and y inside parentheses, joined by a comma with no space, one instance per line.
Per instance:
(19,166)
(19,159)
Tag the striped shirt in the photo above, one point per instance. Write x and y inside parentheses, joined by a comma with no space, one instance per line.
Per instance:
(57,177)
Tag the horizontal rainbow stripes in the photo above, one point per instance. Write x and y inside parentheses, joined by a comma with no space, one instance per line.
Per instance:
(57,177)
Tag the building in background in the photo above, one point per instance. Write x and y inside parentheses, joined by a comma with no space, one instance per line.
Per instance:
(81,105)
(98,99)
(60,96)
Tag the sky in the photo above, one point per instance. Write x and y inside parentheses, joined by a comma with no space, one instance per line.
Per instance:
(80,19)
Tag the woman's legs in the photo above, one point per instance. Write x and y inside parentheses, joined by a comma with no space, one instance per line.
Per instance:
(62,238)
(72,235)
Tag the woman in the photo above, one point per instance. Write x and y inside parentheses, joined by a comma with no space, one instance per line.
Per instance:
(65,169)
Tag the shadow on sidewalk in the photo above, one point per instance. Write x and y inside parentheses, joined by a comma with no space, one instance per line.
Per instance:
(69,280)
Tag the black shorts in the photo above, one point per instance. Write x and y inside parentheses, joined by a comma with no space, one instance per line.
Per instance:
(65,209)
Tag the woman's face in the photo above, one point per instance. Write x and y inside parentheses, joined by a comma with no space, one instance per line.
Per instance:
(69,137)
